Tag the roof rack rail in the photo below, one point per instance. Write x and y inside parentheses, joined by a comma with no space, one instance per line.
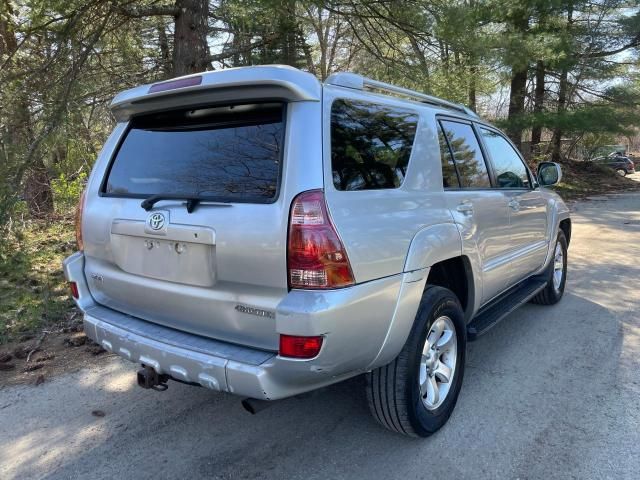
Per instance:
(358,82)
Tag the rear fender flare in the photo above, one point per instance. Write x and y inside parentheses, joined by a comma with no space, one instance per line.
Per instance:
(433,244)
(430,245)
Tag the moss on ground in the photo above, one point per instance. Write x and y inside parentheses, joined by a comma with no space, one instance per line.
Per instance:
(33,292)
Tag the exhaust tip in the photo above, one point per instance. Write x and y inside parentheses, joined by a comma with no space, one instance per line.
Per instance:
(253,405)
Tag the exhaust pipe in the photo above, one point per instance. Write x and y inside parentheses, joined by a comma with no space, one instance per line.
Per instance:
(253,405)
(149,378)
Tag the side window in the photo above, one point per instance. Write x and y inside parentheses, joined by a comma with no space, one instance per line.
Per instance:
(509,170)
(370,144)
(467,155)
(449,175)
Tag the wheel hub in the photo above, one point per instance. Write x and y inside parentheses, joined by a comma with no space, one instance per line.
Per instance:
(438,362)
(558,267)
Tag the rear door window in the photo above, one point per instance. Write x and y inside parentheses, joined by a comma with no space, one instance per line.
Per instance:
(508,167)
(231,153)
(467,154)
(370,144)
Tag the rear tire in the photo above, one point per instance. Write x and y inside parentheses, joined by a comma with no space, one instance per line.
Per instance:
(621,172)
(553,291)
(412,395)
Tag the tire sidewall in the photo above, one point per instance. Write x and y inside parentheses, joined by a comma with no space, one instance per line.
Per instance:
(435,303)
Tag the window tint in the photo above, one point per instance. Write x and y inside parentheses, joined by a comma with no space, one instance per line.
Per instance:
(449,175)
(510,172)
(228,153)
(370,145)
(467,155)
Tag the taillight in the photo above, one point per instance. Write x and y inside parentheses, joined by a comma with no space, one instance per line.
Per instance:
(73,286)
(316,257)
(299,347)
(79,210)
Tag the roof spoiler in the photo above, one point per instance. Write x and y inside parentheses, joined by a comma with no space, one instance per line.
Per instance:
(246,83)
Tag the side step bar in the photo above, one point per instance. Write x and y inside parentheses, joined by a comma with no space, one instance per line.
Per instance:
(495,311)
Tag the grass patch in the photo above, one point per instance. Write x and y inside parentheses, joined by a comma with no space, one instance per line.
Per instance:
(33,291)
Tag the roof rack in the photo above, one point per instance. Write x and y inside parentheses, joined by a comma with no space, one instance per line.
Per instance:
(358,82)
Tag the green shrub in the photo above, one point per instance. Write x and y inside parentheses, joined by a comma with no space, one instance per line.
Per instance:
(66,191)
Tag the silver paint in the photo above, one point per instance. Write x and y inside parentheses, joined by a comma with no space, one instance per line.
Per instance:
(220,273)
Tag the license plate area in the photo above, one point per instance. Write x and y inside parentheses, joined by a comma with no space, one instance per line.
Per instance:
(165,259)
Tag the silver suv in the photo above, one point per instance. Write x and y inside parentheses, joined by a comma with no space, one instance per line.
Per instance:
(257,232)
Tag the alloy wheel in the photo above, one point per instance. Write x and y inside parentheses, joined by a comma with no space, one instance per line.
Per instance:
(558,267)
(438,363)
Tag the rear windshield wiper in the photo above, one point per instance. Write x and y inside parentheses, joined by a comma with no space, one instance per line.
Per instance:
(149,202)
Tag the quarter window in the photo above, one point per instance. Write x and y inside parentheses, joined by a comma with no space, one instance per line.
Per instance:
(467,155)
(449,175)
(509,169)
(370,144)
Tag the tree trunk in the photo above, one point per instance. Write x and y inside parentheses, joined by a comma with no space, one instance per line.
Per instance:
(165,55)
(37,190)
(287,32)
(556,152)
(37,185)
(190,49)
(563,88)
(518,92)
(538,106)
(473,72)
(516,103)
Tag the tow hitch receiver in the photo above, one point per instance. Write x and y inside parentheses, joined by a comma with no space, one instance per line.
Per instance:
(149,378)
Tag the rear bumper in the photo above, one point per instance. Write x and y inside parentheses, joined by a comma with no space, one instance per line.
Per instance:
(356,323)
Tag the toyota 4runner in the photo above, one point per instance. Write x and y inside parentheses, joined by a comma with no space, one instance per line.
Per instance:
(257,232)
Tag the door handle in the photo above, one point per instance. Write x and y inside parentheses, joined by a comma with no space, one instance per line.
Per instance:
(514,204)
(466,208)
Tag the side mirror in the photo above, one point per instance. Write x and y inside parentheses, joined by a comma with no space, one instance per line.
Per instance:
(549,173)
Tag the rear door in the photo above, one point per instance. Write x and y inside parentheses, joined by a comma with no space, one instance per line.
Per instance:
(527,206)
(480,211)
(214,265)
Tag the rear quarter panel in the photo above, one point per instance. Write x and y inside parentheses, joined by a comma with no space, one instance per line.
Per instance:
(378,226)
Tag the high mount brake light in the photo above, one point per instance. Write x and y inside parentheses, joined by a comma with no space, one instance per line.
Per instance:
(173,84)
(316,257)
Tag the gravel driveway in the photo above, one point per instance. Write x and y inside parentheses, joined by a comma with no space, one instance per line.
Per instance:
(551,392)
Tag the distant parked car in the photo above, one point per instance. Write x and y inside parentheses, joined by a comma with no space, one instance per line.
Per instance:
(621,164)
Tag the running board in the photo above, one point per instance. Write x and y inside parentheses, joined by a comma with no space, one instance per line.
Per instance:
(495,311)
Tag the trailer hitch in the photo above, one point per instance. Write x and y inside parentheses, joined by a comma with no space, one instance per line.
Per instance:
(149,378)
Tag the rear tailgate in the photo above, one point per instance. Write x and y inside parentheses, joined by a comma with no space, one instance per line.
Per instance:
(219,271)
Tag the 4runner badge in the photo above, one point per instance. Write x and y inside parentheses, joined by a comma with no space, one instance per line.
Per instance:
(156,221)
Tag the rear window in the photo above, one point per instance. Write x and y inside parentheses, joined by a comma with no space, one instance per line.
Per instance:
(231,153)
(370,144)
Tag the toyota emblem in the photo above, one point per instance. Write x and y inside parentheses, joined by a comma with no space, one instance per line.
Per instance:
(156,221)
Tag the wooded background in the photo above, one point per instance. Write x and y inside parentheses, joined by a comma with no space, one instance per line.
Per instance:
(554,73)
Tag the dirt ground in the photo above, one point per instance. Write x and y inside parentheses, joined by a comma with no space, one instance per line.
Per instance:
(39,358)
